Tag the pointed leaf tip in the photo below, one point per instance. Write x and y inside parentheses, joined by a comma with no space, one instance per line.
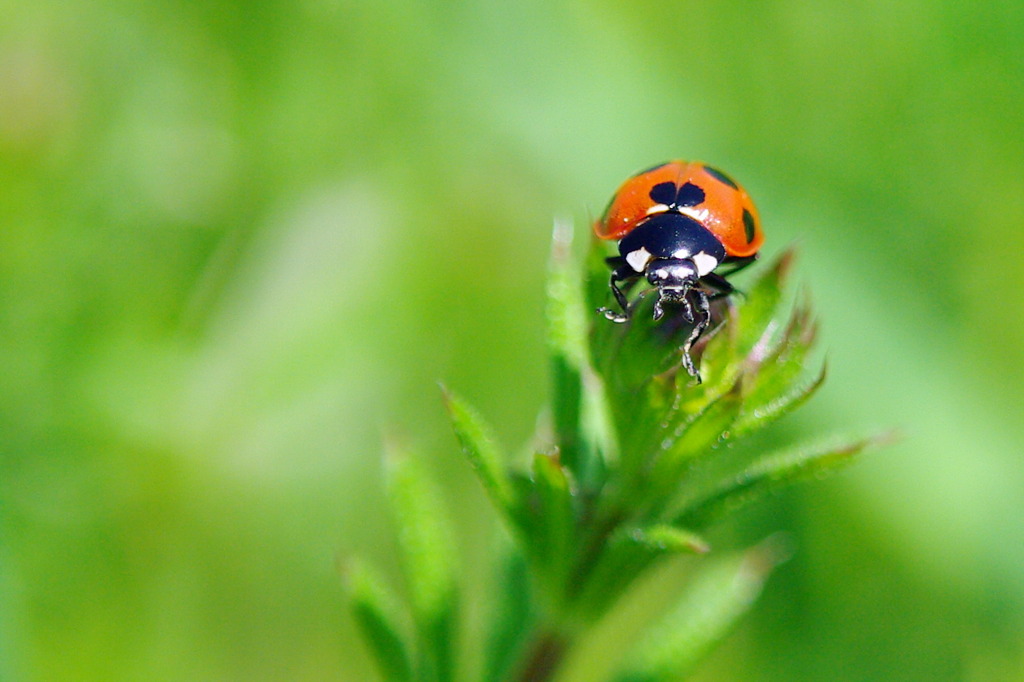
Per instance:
(481,449)
(561,239)
(429,560)
(427,538)
(666,538)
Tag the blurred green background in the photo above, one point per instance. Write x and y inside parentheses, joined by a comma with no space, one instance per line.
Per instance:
(241,240)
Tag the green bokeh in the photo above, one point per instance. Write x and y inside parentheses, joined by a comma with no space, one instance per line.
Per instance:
(239,241)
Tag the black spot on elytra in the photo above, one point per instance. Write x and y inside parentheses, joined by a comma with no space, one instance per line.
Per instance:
(667,193)
(664,193)
(721,177)
(690,195)
(748,225)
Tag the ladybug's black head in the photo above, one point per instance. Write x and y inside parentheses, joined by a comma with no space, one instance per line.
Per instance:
(672,274)
(674,278)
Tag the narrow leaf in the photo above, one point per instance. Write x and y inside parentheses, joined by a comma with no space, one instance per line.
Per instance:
(771,473)
(694,441)
(556,522)
(764,409)
(721,593)
(478,444)
(782,359)
(598,430)
(669,539)
(760,306)
(567,340)
(511,619)
(379,618)
(772,385)
(645,348)
(627,554)
(718,358)
(429,561)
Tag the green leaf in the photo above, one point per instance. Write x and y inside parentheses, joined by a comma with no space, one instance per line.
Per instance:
(720,594)
(772,403)
(748,329)
(379,618)
(567,340)
(783,360)
(628,552)
(770,473)
(644,418)
(757,310)
(718,360)
(645,348)
(429,561)
(556,524)
(694,440)
(512,618)
(772,384)
(664,538)
(599,434)
(597,274)
(478,444)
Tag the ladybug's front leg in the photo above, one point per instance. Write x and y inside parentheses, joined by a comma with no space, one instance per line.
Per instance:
(717,280)
(702,322)
(733,264)
(621,274)
(720,285)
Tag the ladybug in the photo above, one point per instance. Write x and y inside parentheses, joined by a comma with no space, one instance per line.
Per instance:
(684,226)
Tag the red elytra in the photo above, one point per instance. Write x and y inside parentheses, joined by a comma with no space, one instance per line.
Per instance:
(726,209)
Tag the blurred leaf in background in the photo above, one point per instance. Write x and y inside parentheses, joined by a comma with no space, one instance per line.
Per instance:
(239,239)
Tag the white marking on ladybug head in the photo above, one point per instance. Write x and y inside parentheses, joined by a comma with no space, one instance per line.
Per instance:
(639,259)
(705,263)
(657,208)
(673,276)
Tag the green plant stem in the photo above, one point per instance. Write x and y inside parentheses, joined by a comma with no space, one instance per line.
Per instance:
(544,657)
(604,523)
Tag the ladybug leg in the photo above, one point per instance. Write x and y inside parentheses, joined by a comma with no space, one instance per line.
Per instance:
(659,312)
(703,320)
(736,264)
(620,274)
(722,287)
(717,280)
